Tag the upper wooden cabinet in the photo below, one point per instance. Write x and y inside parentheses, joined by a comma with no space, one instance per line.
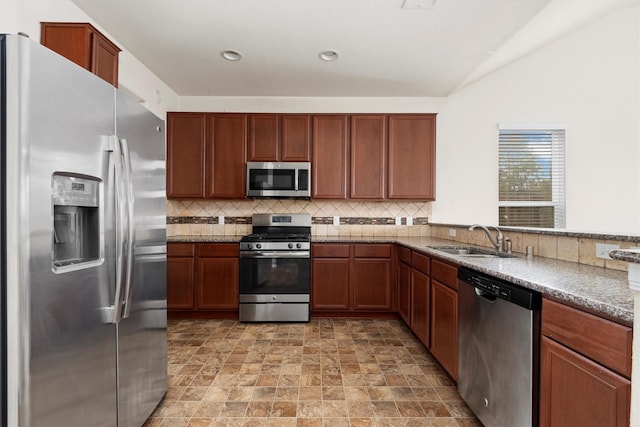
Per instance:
(186,135)
(330,157)
(368,156)
(279,138)
(206,155)
(412,157)
(84,45)
(226,156)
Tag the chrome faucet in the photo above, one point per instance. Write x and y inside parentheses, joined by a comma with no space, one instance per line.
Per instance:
(497,242)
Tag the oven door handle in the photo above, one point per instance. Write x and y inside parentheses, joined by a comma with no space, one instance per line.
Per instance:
(275,254)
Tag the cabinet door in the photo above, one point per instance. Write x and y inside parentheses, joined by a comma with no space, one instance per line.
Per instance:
(372,284)
(104,59)
(296,138)
(218,281)
(180,283)
(226,156)
(444,327)
(420,305)
(330,284)
(411,157)
(329,169)
(264,135)
(576,391)
(404,292)
(368,147)
(185,154)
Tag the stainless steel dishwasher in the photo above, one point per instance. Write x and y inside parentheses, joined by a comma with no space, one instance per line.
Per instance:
(499,336)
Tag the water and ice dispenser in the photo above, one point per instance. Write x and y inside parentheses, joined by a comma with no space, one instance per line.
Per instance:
(76,221)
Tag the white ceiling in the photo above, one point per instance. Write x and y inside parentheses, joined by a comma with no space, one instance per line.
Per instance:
(385,50)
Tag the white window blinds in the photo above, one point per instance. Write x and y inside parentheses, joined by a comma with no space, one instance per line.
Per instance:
(531,176)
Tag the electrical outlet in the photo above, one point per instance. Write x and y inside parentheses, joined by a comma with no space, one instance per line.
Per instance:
(452,232)
(221,219)
(602,250)
(409,220)
(336,220)
(398,220)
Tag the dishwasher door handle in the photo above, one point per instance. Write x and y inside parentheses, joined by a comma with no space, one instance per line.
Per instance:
(485,295)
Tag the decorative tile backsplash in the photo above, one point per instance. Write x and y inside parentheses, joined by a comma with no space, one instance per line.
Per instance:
(198,217)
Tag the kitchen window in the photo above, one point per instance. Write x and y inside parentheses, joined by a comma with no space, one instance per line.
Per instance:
(531,176)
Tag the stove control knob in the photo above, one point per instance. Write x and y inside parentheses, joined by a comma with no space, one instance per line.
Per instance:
(249,246)
(290,245)
(258,245)
(298,245)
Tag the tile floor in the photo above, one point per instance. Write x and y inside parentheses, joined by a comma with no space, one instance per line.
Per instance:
(328,372)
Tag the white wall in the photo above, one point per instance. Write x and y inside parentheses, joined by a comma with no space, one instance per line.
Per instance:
(25,16)
(587,80)
(310,105)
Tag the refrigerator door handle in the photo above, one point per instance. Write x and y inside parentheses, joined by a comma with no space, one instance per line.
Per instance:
(115,310)
(131,230)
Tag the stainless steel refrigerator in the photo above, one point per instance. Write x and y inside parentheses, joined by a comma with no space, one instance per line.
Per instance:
(82,248)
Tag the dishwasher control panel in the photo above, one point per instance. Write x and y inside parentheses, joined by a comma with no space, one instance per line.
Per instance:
(502,289)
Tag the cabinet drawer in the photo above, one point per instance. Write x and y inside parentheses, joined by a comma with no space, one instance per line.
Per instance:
(420,262)
(372,251)
(330,251)
(181,249)
(599,339)
(444,273)
(219,250)
(404,254)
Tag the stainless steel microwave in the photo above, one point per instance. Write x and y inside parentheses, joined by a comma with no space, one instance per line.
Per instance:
(279,179)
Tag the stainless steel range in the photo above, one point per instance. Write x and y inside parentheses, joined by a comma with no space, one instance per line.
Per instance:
(275,269)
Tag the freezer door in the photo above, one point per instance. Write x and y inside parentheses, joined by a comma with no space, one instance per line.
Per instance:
(142,332)
(61,348)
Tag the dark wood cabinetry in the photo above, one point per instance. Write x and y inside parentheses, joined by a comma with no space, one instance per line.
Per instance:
(361,156)
(180,275)
(404,284)
(331,273)
(186,137)
(351,278)
(411,157)
(226,156)
(372,277)
(279,137)
(330,157)
(83,44)
(444,316)
(420,293)
(585,366)
(202,277)
(368,156)
(218,281)
(206,155)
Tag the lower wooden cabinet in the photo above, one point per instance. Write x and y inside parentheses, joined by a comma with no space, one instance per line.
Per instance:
(420,295)
(202,277)
(444,326)
(351,278)
(585,366)
(404,291)
(180,276)
(217,286)
(330,284)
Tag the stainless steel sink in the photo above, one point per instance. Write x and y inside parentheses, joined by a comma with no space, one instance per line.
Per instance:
(467,251)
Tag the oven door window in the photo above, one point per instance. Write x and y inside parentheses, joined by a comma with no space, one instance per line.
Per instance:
(270,179)
(275,275)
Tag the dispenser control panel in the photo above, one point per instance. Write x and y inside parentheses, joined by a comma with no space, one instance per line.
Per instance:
(74,191)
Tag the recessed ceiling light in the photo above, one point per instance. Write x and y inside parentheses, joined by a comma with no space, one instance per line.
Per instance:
(329,55)
(231,55)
